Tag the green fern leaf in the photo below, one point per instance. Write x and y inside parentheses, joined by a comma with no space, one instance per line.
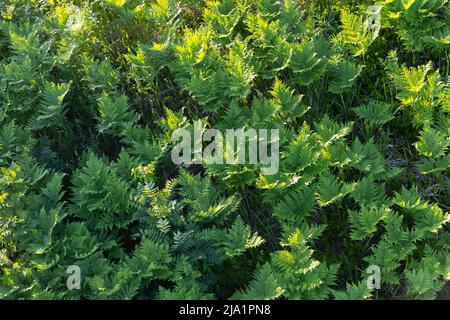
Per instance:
(264,286)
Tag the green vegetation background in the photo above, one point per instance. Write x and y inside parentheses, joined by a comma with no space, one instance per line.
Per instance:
(91,91)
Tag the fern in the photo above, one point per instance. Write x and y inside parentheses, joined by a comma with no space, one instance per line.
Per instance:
(307,63)
(418,88)
(345,76)
(114,116)
(151,260)
(51,109)
(288,103)
(90,95)
(366,158)
(148,61)
(375,113)
(432,143)
(367,191)
(183,292)
(330,191)
(100,76)
(264,286)
(384,256)
(238,238)
(422,25)
(428,166)
(101,197)
(212,205)
(354,291)
(295,206)
(299,274)
(303,152)
(364,223)
(356,33)
(330,131)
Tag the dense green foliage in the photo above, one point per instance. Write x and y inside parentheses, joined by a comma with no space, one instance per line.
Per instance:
(91,91)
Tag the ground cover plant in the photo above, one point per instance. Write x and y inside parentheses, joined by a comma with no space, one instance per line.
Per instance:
(91,92)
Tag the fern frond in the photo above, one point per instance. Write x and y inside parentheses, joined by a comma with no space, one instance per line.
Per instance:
(354,291)
(329,190)
(356,33)
(344,77)
(433,142)
(307,64)
(375,113)
(114,115)
(264,286)
(51,110)
(364,223)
